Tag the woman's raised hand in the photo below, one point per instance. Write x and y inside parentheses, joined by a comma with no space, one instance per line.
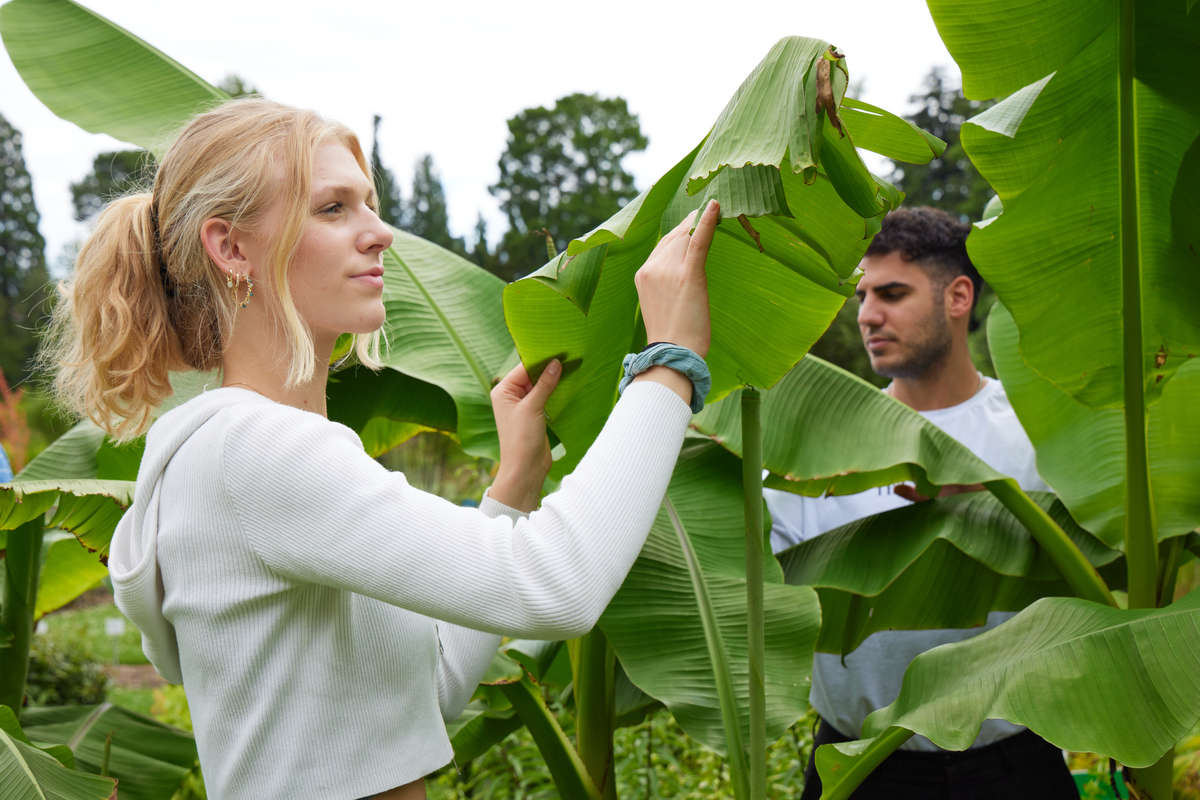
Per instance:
(520,409)
(673,288)
(673,291)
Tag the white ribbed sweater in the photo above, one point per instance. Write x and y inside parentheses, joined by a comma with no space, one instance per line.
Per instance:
(292,583)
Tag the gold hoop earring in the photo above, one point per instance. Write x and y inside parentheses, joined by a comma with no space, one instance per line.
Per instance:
(233,281)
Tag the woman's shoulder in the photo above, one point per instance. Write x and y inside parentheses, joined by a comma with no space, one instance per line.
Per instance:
(246,422)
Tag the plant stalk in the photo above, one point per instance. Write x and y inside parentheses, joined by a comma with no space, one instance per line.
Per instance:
(22,566)
(567,770)
(1141,545)
(755,621)
(1076,570)
(595,709)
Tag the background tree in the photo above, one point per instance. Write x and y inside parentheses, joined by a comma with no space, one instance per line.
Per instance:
(561,172)
(390,208)
(425,209)
(951,182)
(23,274)
(236,86)
(113,174)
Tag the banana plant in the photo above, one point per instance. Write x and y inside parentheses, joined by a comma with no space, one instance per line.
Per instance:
(1093,152)
(798,209)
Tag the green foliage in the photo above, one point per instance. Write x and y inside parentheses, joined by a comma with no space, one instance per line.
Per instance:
(654,759)
(23,274)
(949,182)
(425,209)
(561,172)
(386,188)
(113,175)
(62,672)
(83,629)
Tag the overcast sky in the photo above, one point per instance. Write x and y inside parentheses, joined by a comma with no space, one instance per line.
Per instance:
(446,75)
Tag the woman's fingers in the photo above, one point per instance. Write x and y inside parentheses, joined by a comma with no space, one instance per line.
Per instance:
(703,235)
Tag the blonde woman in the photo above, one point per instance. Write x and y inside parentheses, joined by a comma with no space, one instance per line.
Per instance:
(325,617)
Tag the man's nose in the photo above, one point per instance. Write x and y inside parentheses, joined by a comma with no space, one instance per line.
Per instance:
(870,313)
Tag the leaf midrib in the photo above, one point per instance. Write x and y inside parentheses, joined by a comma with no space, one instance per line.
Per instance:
(484,382)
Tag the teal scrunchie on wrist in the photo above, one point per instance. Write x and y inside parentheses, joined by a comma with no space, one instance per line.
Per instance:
(677,358)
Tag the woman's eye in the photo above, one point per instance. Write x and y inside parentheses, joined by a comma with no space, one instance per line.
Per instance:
(333,208)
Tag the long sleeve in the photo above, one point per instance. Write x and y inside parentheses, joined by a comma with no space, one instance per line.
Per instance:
(464,654)
(316,509)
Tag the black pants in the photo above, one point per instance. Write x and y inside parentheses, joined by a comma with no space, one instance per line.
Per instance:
(1023,767)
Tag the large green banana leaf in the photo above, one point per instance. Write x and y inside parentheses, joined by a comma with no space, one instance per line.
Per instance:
(1053,151)
(148,758)
(826,431)
(1045,668)
(47,773)
(685,599)
(445,322)
(68,570)
(945,563)
(1081,450)
(798,210)
(98,75)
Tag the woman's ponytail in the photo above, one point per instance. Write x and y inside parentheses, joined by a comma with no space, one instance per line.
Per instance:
(111,343)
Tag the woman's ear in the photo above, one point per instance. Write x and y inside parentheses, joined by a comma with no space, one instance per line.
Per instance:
(223,246)
(960,297)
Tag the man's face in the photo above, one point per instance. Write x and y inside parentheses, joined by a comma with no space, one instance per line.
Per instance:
(902,317)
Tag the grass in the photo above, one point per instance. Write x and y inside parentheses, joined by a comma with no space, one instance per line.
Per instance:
(84,628)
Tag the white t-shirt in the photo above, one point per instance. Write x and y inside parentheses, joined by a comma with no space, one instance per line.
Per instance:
(873,673)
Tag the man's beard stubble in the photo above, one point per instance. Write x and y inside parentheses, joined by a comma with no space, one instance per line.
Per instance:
(926,354)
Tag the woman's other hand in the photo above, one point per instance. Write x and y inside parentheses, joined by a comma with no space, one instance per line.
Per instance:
(673,291)
(520,410)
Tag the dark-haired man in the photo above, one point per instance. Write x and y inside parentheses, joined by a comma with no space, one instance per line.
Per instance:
(916,304)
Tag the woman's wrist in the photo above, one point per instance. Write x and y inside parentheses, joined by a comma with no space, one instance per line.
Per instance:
(676,381)
(516,490)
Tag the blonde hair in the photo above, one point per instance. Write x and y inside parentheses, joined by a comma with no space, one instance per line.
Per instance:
(147,299)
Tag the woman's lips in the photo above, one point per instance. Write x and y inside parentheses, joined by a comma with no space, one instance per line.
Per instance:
(372,277)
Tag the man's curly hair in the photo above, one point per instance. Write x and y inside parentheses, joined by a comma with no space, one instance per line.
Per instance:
(933,240)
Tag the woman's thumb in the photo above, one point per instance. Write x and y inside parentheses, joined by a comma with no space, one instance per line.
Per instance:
(546,383)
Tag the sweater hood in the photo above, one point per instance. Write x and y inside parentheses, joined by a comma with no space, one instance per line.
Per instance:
(133,554)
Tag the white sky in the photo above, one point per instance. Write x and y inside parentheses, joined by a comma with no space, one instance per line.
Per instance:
(445,76)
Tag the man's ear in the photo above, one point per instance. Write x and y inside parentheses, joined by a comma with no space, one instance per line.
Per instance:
(960,297)
(222,244)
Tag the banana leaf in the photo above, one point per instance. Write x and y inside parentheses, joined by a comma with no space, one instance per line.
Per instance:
(826,431)
(148,758)
(1081,450)
(1043,669)
(98,75)
(68,570)
(30,771)
(1053,150)
(798,209)
(684,601)
(946,563)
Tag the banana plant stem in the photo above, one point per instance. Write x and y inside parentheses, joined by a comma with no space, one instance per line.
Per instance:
(566,768)
(1141,540)
(755,623)
(22,565)
(1076,570)
(595,707)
